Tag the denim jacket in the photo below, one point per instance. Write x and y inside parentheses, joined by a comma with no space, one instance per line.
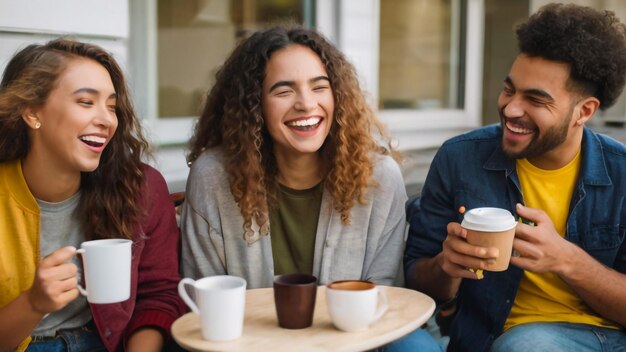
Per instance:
(471,170)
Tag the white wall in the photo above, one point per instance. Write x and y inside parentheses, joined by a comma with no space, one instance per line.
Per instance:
(27,21)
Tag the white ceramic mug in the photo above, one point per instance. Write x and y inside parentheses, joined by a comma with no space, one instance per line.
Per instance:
(354,305)
(106,268)
(219,301)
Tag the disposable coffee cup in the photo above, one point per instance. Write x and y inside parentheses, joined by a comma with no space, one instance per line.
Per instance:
(491,227)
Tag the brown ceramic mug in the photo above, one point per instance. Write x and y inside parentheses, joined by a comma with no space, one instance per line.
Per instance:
(294,296)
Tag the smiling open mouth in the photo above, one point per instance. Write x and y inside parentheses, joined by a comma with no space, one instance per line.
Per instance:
(93,141)
(307,124)
(517,129)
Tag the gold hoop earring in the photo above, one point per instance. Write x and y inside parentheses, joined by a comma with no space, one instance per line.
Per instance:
(37,125)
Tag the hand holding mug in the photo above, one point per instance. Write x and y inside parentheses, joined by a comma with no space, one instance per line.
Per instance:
(55,282)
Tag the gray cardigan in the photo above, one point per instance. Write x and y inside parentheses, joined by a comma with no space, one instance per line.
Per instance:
(369,249)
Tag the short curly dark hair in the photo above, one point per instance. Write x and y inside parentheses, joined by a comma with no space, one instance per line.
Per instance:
(592,41)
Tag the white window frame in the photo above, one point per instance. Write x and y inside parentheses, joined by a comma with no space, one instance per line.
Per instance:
(354,25)
(168,135)
(144,67)
(357,34)
(163,131)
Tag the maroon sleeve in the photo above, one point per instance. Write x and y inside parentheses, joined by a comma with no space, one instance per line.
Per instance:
(157,302)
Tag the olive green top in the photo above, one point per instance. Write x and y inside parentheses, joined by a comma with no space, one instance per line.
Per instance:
(293,225)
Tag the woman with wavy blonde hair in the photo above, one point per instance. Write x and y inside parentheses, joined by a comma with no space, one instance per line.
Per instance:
(287,172)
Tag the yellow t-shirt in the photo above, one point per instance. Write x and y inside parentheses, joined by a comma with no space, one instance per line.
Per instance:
(545,297)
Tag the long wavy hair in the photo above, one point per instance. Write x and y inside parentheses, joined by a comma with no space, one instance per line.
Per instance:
(108,205)
(232,118)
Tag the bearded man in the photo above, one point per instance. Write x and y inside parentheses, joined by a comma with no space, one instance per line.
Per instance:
(566,286)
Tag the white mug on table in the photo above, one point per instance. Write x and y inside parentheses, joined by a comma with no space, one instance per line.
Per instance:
(354,304)
(219,301)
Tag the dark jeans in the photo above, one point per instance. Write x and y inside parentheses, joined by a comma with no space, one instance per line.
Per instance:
(418,340)
(83,339)
(172,346)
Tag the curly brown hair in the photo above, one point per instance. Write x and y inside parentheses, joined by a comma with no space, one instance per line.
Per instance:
(232,118)
(591,41)
(108,203)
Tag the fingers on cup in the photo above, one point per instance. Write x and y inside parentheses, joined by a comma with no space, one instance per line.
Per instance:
(466,249)
(478,272)
(68,296)
(58,257)
(455,229)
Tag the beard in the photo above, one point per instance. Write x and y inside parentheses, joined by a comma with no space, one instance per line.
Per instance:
(541,142)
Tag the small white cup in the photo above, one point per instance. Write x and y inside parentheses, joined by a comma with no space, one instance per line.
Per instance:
(220,303)
(106,268)
(354,305)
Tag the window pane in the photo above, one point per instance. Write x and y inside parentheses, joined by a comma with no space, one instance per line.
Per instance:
(195,37)
(421,54)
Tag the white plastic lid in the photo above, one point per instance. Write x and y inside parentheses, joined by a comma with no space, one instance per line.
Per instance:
(488,220)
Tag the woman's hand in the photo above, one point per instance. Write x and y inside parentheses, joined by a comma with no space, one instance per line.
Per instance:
(55,282)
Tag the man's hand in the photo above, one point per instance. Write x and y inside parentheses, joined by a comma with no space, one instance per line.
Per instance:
(55,282)
(540,248)
(458,256)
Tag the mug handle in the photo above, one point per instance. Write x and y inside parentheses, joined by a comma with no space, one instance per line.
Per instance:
(182,291)
(81,289)
(382,305)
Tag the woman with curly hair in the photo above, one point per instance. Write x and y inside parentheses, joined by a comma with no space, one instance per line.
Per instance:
(287,172)
(71,171)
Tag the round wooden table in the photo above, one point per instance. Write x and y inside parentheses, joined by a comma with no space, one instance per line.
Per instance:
(408,310)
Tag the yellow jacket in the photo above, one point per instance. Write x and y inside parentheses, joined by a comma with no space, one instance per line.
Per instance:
(19,252)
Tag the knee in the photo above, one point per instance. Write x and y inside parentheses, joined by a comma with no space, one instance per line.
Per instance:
(418,340)
(525,337)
